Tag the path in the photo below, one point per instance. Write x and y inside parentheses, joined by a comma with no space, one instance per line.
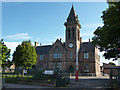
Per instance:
(90,82)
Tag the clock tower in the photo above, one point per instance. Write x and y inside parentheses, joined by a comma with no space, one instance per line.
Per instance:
(72,40)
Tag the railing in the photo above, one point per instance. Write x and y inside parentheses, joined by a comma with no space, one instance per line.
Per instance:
(62,78)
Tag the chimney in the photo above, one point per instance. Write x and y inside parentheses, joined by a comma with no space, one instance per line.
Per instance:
(60,39)
(36,44)
(40,44)
(89,39)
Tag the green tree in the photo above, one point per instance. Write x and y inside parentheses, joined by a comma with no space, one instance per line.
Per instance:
(112,63)
(25,55)
(107,37)
(4,55)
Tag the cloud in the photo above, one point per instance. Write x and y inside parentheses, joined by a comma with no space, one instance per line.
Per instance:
(103,60)
(12,45)
(17,36)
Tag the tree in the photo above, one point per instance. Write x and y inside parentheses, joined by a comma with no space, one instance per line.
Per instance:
(25,55)
(4,55)
(111,63)
(107,37)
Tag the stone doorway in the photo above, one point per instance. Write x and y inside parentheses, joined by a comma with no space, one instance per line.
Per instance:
(71,69)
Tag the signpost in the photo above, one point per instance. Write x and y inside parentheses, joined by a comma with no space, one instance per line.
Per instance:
(25,71)
(51,72)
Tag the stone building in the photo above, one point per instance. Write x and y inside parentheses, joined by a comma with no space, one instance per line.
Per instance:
(62,55)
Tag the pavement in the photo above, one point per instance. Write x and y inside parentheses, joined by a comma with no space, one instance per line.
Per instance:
(90,82)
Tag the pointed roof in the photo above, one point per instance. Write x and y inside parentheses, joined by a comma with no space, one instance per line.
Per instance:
(72,13)
(72,18)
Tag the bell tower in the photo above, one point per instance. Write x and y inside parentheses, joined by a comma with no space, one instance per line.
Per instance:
(72,32)
(72,26)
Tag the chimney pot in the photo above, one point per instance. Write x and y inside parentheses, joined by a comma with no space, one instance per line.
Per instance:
(89,40)
(60,39)
(40,44)
(36,44)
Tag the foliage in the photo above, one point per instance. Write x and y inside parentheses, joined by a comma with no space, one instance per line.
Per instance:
(112,63)
(40,76)
(25,55)
(15,78)
(4,55)
(107,37)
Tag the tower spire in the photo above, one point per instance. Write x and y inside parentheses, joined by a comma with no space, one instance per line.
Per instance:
(72,18)
(72,14)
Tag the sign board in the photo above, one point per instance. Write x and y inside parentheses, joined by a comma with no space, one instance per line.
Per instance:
(25,71)
(51,72)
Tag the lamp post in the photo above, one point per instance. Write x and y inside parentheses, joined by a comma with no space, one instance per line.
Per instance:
(76,63)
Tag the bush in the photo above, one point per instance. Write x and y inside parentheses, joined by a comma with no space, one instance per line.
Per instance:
(40,76)
(15,78)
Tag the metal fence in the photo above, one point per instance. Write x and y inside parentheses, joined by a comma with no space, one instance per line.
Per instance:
(62,78)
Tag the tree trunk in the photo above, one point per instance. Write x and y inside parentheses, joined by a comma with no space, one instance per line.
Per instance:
(23,74)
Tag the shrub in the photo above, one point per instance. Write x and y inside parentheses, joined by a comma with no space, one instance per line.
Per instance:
(40,76)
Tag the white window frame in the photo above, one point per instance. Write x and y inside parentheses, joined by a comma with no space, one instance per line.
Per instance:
(57,55)
(41,57)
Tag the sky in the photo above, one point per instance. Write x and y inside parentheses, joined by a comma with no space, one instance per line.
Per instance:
(44,21)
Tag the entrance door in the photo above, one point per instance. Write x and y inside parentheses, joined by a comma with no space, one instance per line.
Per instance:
(71,69)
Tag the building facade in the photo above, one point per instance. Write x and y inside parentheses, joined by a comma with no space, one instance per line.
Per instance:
(62,55)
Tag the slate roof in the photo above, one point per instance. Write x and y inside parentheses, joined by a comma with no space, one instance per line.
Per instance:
(72,13)
(43,49)
(87,47)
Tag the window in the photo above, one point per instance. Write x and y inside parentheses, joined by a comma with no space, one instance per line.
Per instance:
(86,68)
(68,33)
(71,54)
(86,55)
(57,53)
(57,65)
(73,32)
(41,57)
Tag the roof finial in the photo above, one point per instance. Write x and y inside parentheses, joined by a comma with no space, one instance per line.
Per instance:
(72,4)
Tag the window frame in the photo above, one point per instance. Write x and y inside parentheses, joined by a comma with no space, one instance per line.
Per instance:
(86,55)
(41,57)
(57,54)
(71,54)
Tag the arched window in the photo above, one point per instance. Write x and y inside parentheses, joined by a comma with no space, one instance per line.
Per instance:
(68,33)
(57,53)
(73,32)
(71,54)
